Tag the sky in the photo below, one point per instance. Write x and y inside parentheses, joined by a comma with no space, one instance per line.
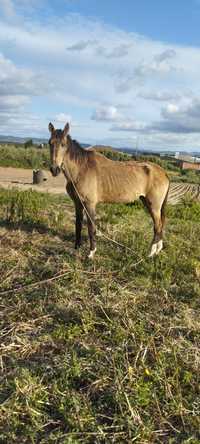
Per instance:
(124,73)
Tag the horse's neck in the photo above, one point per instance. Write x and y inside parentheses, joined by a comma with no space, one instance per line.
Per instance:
(75,160)
(70,168)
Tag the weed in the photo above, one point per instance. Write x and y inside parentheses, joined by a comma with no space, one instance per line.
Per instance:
(20,157)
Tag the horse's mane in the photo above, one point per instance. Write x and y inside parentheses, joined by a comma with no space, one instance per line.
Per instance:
(77,153)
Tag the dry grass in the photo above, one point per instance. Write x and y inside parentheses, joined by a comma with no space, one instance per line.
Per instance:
(104,352)
(20,157)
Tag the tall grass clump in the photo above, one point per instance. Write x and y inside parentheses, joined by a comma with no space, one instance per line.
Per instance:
(20,157)
(25,206)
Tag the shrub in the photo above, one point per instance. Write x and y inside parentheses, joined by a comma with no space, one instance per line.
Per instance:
(25,206)
(20,157)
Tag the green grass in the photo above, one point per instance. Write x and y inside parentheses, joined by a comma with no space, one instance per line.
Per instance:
(109,351)
(20,157)
(186,176)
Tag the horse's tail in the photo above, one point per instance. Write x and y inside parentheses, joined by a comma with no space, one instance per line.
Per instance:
(164,206)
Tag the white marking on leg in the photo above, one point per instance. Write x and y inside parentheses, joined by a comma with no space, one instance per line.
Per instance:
(156,248)
(92,253)
(159,246)
(153,250)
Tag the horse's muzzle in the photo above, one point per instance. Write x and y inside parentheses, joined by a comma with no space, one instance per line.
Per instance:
(55,171)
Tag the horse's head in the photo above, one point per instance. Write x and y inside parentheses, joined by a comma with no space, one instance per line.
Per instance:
(58,146)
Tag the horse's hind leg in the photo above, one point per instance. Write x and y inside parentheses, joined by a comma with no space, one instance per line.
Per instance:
(157,243)
(156,212)
(91,229)
(79,223)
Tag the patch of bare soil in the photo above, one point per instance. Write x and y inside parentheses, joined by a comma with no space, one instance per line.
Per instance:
(23,180)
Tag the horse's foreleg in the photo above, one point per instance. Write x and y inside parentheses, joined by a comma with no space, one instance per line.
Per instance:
(91,230)
(157,243)
(79,223)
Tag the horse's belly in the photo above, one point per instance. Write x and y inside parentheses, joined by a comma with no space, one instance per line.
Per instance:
(121,186)
(120,197)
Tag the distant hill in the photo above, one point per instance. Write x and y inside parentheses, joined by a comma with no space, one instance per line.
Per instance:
(15,139)
(36,140)
(99,147)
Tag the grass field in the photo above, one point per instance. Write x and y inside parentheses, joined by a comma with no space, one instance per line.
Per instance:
(102,352)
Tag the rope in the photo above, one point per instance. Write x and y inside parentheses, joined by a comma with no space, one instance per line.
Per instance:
(99,232)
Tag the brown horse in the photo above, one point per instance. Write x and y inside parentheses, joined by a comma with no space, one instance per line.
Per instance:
(92,178)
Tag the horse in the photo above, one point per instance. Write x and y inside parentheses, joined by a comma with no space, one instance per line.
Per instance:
(93,178)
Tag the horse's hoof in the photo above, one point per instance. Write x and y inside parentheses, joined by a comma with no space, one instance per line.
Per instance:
(92,253)
(159,246)
(156,248)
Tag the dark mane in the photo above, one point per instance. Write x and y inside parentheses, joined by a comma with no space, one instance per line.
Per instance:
(77,153)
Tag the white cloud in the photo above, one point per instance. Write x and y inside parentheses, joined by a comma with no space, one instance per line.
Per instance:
(177,124)
(17,87)
(22,124)
(183,119)
(171,108)
(165,55)
(63,118)
(116,52)
(13,102)
(106,113)
(14,80)
(133,126)
(160,96)
(81,45)
(158,67)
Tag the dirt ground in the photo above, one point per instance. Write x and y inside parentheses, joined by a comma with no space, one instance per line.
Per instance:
(23,179)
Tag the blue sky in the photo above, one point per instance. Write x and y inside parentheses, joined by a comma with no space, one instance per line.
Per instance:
(123,73)
(168,21)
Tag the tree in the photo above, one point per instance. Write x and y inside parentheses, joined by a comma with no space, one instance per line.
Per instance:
(28,143)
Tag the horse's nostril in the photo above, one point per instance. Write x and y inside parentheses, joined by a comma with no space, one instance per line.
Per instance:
(55,171)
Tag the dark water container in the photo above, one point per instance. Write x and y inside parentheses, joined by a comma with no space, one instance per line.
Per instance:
(38,177)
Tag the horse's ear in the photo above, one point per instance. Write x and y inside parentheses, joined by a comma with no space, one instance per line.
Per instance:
(51,128)
(66,129)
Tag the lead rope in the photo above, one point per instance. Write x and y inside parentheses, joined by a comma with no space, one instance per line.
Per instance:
(99,232)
